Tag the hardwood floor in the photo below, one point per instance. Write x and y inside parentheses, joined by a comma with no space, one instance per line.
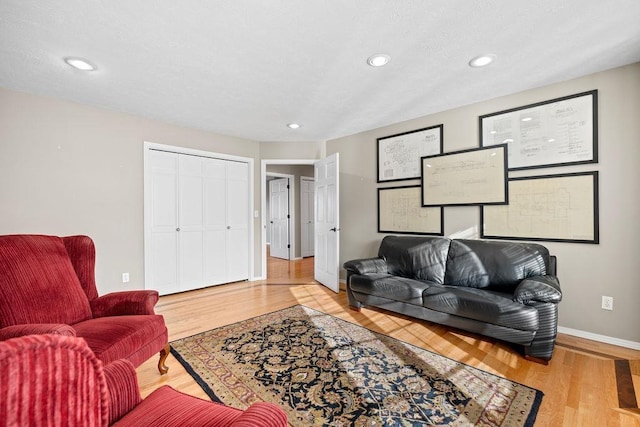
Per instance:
(585,384)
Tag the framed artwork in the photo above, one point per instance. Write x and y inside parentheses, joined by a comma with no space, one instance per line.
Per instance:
(558,132)
(400,212)
(399,155)
(560,208)
(469,177)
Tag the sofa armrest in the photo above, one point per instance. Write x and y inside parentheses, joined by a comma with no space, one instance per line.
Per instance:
(366,266)
(261,414)
(124,303)
(122,384)
(36,329)
(539,289)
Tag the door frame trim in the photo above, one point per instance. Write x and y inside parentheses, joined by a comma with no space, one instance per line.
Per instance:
(263,199)
(147,146)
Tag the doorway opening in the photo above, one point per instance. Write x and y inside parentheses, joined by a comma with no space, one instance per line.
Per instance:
(300,208)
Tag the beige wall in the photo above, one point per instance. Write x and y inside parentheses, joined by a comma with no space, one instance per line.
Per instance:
(68,169)
(586,271)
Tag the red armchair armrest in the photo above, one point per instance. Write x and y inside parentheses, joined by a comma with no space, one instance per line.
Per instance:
(124,303)
(122,384)
(15,331)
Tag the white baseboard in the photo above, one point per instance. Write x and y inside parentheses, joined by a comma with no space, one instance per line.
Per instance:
(601,338)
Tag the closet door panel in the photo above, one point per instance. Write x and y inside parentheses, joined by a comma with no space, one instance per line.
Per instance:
(191,260)
(238,251)
(237,207)
(215,266)
(215,229)
(163,272)
(164,255)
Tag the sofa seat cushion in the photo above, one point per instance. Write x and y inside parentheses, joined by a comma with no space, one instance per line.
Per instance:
(481,305)
(113,338)
(391,287)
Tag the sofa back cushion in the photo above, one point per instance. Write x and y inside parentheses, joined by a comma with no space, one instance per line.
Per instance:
(492,264)
(38,283)
(420,258)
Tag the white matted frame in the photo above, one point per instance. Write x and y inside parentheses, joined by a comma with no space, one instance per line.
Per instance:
(400,212)
(466,178)
(558,132)
(559,208)
(399,155)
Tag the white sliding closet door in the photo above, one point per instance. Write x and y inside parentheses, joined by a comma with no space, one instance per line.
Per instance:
(161,268)
(199,231)
(237,204)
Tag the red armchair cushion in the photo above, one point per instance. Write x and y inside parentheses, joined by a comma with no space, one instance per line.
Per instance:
(113,338)
(38,283)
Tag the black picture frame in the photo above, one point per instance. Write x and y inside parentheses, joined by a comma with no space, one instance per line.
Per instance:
(564,211)
(398,156)
(400,212)
(472,177)
(557,132)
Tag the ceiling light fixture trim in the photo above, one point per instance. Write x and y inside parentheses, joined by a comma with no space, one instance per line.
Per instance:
(482,60)
(80,63)
(378,60)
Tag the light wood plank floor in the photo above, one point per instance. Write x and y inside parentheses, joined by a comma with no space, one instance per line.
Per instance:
(579,383)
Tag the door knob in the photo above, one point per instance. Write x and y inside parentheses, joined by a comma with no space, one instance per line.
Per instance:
(334,229)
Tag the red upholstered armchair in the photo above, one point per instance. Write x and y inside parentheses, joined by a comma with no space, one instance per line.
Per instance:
(53,380)
(47,286)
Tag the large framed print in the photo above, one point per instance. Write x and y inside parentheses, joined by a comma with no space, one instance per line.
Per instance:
(469,177)
(558,132)
(559,208)
(400,211)
(399,155)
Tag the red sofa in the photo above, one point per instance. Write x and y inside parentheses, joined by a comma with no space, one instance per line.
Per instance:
(53,380)
(47,286)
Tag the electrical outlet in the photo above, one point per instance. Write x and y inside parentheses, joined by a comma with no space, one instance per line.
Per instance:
(125,278)
(607,303)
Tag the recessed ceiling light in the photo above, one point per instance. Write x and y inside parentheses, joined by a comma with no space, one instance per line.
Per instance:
(378,60)
(293,126)
(482,61)
(80,64)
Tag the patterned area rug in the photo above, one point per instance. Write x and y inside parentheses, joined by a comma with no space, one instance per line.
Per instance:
(326,371)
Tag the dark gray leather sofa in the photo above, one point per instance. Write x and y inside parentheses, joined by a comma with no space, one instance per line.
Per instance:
(504,290)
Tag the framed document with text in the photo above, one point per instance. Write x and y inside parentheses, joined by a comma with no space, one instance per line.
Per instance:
(399,155)
(560,208)
(558,132)
(400,212)
(469,177)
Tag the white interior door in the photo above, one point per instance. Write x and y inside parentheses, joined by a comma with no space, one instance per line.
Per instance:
(327,222)
(279,217)
(306,216)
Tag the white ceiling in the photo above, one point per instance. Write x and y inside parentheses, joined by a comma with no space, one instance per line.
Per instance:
(246,68)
